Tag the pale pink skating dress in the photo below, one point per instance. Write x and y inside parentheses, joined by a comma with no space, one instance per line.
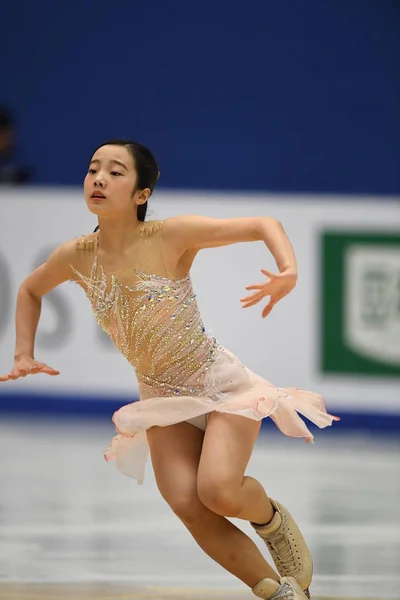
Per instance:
(183,373)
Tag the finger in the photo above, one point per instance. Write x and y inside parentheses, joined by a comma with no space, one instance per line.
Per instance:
(251,303)
(48,370)
(271,304)
(44,365)
(266,290)
(13,376)
(267,310)
(252,297)
(21,372)
(38,365)
(268,273)
(263,287)
(5,377)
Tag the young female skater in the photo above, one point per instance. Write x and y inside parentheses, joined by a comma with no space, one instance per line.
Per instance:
(200,408)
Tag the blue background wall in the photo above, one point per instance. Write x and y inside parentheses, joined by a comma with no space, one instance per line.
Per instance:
(288,96)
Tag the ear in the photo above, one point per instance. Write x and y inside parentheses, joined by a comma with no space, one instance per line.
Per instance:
(142,196)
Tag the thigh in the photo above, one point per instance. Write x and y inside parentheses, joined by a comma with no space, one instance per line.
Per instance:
(175,453)
(227,447)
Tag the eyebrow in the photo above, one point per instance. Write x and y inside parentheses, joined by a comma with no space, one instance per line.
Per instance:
(117,162)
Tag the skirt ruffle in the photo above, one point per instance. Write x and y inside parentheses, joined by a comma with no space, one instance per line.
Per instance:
(233,389)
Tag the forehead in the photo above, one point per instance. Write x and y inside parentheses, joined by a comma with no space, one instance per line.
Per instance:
(109,153)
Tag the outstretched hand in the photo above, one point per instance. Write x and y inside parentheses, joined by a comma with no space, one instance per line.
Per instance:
(26,365)
(278,286)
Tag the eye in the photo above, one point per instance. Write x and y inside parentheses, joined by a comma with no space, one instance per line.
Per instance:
(116,174)
(92,171)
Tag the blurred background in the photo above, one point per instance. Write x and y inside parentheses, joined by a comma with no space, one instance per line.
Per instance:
(288,109)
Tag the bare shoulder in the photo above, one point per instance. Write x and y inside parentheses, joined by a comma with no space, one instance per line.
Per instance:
(149,228)
(178,228)
(60,266)
(180,221)
(84,242)
(74,255)
(69,252)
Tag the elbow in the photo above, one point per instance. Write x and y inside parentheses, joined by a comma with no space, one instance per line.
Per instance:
(275,222)
(265,224)
(25,290)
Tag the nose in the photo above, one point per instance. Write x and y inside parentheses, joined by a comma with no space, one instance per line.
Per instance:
(99,181)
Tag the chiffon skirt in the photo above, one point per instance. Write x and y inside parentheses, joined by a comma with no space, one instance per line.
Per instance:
(229,387)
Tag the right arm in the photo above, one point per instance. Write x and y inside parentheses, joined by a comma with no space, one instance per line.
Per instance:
(57,269)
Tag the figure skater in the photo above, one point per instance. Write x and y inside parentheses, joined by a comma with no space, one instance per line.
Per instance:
(200,409)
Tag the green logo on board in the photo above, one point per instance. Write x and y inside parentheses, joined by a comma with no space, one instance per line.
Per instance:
(361,304)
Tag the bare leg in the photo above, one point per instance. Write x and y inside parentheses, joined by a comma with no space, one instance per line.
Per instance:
(223,488)
(227,448)
(256,506)
(175,453)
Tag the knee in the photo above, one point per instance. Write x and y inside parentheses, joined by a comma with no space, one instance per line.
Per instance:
(185,504)
(219,497)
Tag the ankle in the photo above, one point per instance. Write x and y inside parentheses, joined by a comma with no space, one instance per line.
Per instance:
(269,515)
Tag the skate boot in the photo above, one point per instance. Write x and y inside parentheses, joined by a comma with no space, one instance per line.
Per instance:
(286,589)
(287,546)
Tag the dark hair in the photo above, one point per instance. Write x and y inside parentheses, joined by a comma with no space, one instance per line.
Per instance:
(146,168)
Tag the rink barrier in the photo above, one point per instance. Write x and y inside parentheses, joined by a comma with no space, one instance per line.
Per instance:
(35,405)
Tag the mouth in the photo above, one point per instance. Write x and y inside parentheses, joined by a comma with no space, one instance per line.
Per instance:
(97,196)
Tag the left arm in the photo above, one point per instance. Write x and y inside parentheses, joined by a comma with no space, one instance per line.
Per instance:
(192,233)
(196,233)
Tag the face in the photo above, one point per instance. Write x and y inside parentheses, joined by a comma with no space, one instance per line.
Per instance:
(110,183)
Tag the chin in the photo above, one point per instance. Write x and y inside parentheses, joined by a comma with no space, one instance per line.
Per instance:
(95,208)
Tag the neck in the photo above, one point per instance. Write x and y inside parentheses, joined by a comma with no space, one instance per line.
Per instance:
(116,235)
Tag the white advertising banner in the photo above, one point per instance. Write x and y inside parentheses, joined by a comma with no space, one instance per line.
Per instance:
(285,348)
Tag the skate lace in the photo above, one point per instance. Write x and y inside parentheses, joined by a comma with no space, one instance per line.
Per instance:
(284,550)
(285,591)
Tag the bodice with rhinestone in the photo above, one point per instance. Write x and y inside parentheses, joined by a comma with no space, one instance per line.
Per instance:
(156,324)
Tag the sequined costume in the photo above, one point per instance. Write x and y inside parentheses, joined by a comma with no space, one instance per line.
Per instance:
(183,373)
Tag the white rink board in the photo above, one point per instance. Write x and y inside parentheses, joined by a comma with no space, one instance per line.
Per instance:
(283,348)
